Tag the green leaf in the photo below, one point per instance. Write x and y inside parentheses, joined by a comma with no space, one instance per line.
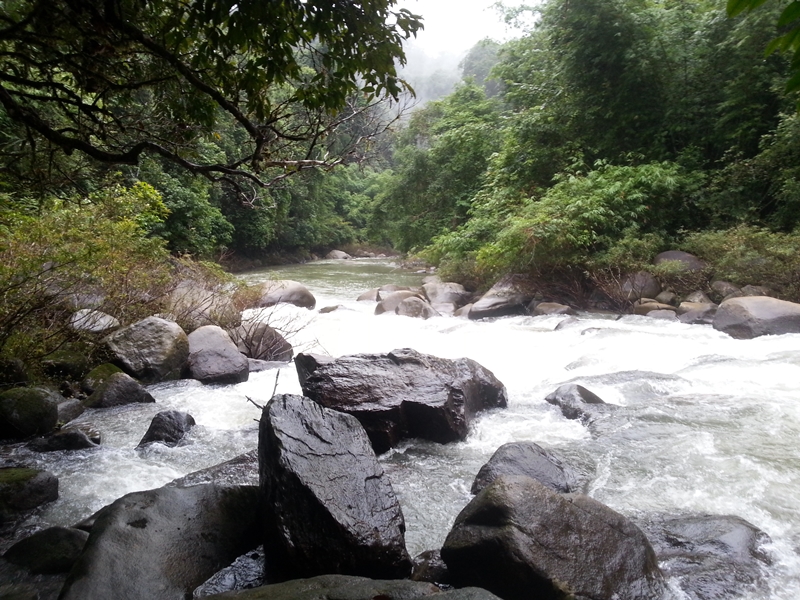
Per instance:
(790,14)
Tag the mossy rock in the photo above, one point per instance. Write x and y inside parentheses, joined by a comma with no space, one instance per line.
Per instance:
(66,364)
(22,488)
(12,373)
(28,411)
(98,376)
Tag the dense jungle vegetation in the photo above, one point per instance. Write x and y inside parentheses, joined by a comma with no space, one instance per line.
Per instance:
(136,135)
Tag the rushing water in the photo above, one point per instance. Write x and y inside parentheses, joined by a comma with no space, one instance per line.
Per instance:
(706,423)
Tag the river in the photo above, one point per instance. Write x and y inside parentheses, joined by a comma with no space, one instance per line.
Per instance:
(705,423)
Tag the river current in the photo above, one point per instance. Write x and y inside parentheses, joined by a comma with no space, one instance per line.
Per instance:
(705,424)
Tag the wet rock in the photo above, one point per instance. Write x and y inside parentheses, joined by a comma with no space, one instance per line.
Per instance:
(23,489)
(255,365)
(551,308)
(163,543)
(429,566)
(576,402)
(417,308)
(509,296)
(338,255)
(343,587)
(93,321)
(463,311)
(117,390)
(640,285)
(330,507)
(66,363)
(285,290)
(711,557)
(28,411)
(241,470)
(687,262)
(438,292)
(749,317)
(246,572)
(70,409)
(150,350)
(531,460)
(666,315)
(214,358)
(696,313)
(392,301)
(52,550)
(520,540)
(329,309)
(97,376)
(168,427)
(369,296)
(403,394)
(67,438)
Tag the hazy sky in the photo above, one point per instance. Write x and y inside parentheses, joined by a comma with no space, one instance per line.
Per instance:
(454,26)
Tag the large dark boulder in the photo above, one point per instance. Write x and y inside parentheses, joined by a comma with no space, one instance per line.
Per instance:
(403,394)
(330,507)
(214,358)
(118,389)
(712,557)
(52,550)
(161,544)
(521,540)
(28,411)
(509,296)
(23,489)
(168,427)
(67,438)
(753,316)
(285,290)
(150,350)
(531,460)
(256,339)
(342,587)
(576,402)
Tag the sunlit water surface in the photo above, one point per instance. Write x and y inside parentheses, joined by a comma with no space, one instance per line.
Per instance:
(707,423)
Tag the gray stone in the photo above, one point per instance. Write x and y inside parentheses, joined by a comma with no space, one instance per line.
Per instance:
(28,411)
(369,296)
(67,438)
(753,316)
(688,262)
(521,540)
(698,297)
(417,308)
(723,289)
(338,255)
(531,460)
(214,358)
(195,303)
(647,307)
(402,394)
(246,572)
(576,402)
(640,285)
(168,427)
(330,507)
(667,298)
(256,339)
(23,489)
(509,296)
(93,321)
(285,290)
(391,301)
(552,308)
(150,350)
(446,292)
(70,409)
(163,543)
(665,315)
(97,376)
(52,550)
(117,390)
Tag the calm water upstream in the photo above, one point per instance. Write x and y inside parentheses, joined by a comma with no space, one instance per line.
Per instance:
(707,423)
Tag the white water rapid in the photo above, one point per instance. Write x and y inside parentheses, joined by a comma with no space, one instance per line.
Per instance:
(707,423)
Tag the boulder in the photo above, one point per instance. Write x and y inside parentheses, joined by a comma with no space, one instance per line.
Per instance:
(285,290)
(753,316)
(52,550)
(195,303)
(531,460)
(698,316)
(445,308)
(551,308)
(667,297)
(150,350)
(168,427)
(521,540)
(390,288)
(429,566)
(343,587)
(330,506)
(117,390)
(576,402)
(256,339)
(417,308)
(12,373)
(711,557)
(685,307)
(640,285)
(244,573)
(647,307)
(391,301)
(723,289)
(28,411)
(67,438)
(508,296)
(163,543)
(66,363)
(338,255)
(87,320)
(403,394)
(443,292)
(687,262)
(368,296)
(663,314)
(70,409)
(463,311)
(214,358)
(241,470)
(23,489)
(698,297)
(98,376)
(756,290)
